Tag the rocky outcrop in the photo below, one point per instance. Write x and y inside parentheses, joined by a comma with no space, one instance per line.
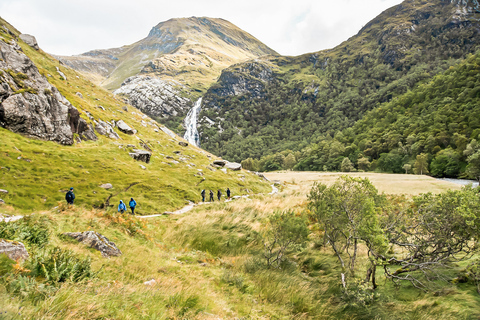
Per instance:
(30,40)
(31,106)
(154,97)
(97,241)
(141,155)
(105,129)
(125,128)
(13,249)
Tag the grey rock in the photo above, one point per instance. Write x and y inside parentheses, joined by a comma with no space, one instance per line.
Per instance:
(261,175)
(30,40)
(143,167)
(106,186)
(105,129)
(183,144)
(220,163)
(125,128)
(130,146)
(141,155)
(61,74)
(153,96)
(2,201)
(3,191)
(169,132)
(41,111)
(79,94)
(13,249)
(233,166)
(125,108)
(97,241)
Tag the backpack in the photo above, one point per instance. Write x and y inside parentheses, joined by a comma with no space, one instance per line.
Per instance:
(68,196)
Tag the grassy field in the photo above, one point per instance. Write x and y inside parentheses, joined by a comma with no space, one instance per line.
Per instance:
(384,182)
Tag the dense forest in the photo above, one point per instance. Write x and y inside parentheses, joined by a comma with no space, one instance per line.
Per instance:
(299,103)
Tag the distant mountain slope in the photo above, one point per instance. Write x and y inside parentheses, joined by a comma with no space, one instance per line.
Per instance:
(187,54)
(36,172)
(278,103)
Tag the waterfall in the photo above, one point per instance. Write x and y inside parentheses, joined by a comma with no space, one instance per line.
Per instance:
(190,122)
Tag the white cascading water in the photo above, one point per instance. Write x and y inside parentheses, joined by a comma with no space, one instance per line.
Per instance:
(190,122)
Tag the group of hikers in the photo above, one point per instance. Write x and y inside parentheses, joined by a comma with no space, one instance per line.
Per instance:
(70,196)
(219,195)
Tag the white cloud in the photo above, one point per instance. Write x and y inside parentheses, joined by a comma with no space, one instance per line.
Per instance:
(289,27)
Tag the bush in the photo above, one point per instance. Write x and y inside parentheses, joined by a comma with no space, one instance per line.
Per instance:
(59,265)
(32,230)
(27,288)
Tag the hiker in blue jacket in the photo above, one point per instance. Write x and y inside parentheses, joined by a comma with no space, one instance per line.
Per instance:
(121,207)
(70,196)
(132,205)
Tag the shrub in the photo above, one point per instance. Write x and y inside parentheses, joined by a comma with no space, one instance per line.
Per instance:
(32,230)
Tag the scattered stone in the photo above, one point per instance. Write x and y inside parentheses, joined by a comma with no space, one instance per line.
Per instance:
(204,264)
(220,163)
(97,241)
(156,130)
(124,108)
(106,129)
(130,146)
(233,166)
(177,152)
(106,186)
(175,162)
(125,128)
(143,167)
(3,191)
(261,175)
(1,201)
(169,157)
(168,132)
(30,40)
(79,94)
(61,74)
(13,249)
(141,155)
(150,283)
(100,107)
(183,144)
(223,170)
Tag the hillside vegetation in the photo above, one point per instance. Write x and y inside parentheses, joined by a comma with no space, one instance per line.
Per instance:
(37,173)
(287,103)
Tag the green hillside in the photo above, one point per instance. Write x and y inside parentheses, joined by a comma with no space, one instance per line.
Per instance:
(286,103)
(439,119)
(37,173)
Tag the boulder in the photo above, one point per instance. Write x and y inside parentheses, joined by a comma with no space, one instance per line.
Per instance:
(13,249)
(105,129)
(233,166)
(141,155)
(125,128)
(220,163)
(106,186)
(30,40)
(97,241)
(183,144)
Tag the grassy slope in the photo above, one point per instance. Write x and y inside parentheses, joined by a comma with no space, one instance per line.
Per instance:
(204,267)
(35,172)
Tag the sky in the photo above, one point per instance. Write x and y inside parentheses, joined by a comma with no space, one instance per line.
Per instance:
(290,27)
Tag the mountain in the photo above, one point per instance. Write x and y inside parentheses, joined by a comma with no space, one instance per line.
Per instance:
(284,104)
(59,130)
(179,59)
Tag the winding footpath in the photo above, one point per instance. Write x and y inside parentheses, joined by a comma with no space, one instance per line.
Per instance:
(192,205)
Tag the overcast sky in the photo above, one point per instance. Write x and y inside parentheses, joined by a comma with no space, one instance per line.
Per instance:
(69,27)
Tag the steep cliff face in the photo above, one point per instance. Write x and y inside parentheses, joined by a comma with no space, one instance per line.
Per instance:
(30,105)
(307,97)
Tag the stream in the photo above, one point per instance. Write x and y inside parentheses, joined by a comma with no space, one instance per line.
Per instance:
(190,122)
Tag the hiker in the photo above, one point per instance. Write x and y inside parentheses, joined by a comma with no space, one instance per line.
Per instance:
(219,194)
(121,207)
(228,193)
(203,195)
(70,196)
(132,205)
(211,196)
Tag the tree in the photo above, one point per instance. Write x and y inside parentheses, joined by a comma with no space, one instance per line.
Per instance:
(363,164)
(284,231)
(473,167)
(421,164)
(407,167)
(346,165)
(289,162)
(347,212)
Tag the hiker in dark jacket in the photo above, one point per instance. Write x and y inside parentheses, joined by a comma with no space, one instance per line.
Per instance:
(70,196)
(203,195)
(132,205)
(211,196)
(219,194)
(228,193)
(121,207)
